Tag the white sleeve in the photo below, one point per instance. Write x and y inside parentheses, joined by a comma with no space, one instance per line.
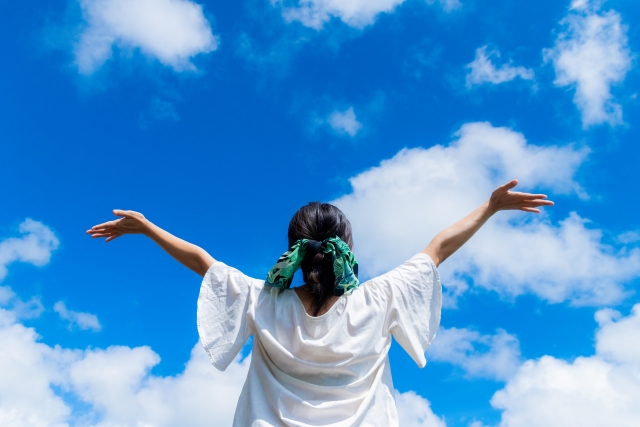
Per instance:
(415,303)
(226,305)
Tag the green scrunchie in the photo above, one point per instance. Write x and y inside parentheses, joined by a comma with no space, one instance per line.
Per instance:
(345,265)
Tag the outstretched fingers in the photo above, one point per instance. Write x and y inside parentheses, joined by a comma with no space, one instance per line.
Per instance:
(533,205)
(527,209)
(505,199)
(130,222)
(526,196)
(104,226)
(112,237)
(537,202)
(103,233)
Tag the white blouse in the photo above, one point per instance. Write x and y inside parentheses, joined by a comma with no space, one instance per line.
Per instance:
(330,370)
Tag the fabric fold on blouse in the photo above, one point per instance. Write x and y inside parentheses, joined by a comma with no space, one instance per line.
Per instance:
(331,370)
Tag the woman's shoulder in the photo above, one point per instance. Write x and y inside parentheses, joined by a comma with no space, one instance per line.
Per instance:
(418,264)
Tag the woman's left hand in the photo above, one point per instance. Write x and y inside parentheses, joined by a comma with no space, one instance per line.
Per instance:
(130,223)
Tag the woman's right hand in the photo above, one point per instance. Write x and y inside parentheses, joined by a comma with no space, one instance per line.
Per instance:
(504,199)
(130,223)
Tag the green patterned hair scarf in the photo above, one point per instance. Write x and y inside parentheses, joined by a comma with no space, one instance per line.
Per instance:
(345,265)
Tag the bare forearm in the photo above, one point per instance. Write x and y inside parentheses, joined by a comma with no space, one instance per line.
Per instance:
(445,243)
(450,240)
(191,256)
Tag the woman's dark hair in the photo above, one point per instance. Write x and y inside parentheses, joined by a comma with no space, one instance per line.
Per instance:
(318,221)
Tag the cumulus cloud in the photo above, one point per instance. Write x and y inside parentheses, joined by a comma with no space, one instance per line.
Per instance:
(600,390)
(84,321)
(355,13)
(171,31)
(117,383)
(495,357)
(28,370)
(113,386)
(591,55)
(344,122)
(34,246)
(415,411)
(483,70)
(397,207)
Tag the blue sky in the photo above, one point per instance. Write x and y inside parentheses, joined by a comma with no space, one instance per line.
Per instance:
(218,120)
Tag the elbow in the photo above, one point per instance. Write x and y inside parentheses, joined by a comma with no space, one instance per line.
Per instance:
(434,250)
(204,262)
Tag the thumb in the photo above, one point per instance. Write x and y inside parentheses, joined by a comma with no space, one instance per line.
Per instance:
(119,212)
(509,185)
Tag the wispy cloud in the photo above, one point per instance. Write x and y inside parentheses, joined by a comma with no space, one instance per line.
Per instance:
(591,55)
(495,357)
(171,31)
(20,309)
(344,122)
(159,110)
(483,70)
(83,321)
(34,246)
(447,5)
(355,13)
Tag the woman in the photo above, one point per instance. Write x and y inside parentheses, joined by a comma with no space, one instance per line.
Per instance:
(319,354)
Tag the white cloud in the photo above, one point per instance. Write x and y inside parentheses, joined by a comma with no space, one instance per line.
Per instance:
(593,5)
(495,357)
(447,5)
(629,237)
(397,207)
(591,55)
(21,309)
(344,122)
(579,4)
(415,411)
(117,383)
(601,390)
(171,31)
(84,321)
(28,369)
(34,246)
(483,70)
(355,13)
(113,385)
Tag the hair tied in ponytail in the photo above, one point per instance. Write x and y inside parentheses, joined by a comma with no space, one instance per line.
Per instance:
(345,266)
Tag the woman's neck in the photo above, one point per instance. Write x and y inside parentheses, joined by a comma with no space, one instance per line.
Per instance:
(308,299)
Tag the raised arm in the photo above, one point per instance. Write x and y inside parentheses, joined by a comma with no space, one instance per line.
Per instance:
(451,239)
(190,255)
